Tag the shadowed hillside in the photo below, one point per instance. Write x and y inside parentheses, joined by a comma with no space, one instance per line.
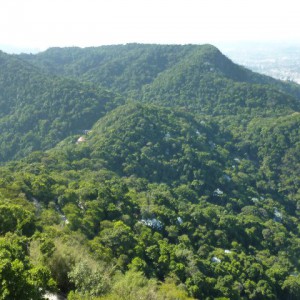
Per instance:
(38,110)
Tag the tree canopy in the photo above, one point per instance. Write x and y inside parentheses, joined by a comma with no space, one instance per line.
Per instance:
(147,172)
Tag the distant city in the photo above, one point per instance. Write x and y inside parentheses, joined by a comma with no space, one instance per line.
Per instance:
(281,61)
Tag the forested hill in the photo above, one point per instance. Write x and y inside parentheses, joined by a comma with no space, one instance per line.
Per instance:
(172,146)
(158,144)
(156,203)
(38,110)
(47,96)
(167,73)
(163,172)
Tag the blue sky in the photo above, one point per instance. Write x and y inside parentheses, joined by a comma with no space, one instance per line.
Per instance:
(40,24)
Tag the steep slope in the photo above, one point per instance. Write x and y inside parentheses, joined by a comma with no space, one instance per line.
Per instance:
(160,195)
(156,200)
(174,147)
(37,110)
(159,144)
(210,83)
(124,68)
(197,77)
(274,144)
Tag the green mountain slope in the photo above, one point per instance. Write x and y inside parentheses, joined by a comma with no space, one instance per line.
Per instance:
(197,77)
(123,68)
(274,144)
(209,82)
(187,190)
(37,110)
(175,147)
(158,193)
(154,143)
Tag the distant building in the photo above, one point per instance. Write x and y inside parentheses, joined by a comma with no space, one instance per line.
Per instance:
(81,140)
(216,260)
(277,216)
(218,192)
(153,223)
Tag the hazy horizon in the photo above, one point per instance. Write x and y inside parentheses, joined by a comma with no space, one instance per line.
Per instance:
(223,46)
(36,25)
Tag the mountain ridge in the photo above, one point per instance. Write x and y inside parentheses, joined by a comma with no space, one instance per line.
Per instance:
(194,77)
(136,52)
(162,172)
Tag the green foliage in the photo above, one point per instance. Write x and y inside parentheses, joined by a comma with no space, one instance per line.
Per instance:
(19,279)
(13,218)
(195,196)
(130,68)
(173,145)
(292,287)
(38,110)
(90,280)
